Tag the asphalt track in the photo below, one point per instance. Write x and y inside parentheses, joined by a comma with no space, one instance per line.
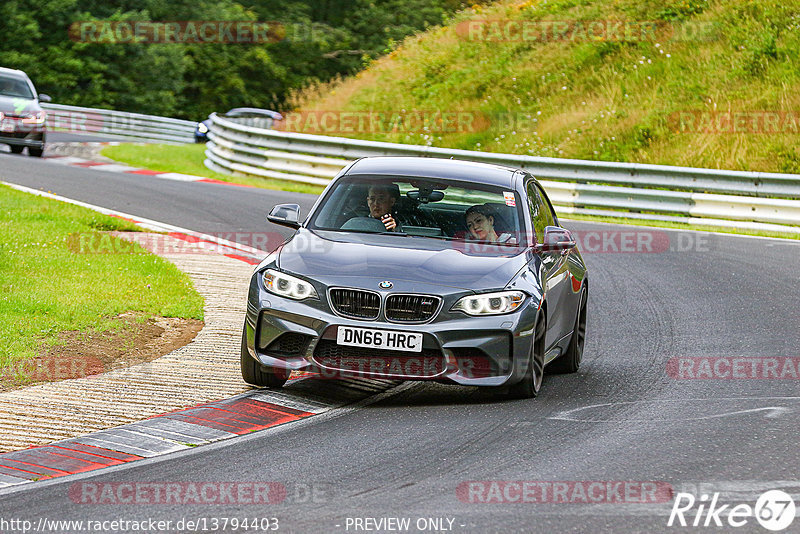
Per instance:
(72,137)
(623,417)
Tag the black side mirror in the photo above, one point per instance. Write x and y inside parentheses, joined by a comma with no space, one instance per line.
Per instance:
(44,98)
(286,215)
(556,239)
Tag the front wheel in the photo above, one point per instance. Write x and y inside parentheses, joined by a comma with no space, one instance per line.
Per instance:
(570,361)
(529,386)
(254,373)
(16,149)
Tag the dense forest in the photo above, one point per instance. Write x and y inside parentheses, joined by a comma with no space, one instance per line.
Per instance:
(318,40)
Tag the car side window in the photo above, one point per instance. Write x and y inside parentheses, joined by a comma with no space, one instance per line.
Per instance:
(548,210)
(540,212)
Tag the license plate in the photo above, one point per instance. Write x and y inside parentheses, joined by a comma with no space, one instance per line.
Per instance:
(379,339)
(7,126)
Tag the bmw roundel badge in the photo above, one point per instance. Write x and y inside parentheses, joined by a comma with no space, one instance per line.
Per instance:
(386,284)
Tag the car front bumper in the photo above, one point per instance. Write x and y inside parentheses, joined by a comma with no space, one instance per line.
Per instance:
(17,134)
(479,351)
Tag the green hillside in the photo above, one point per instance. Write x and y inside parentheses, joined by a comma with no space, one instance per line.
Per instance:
(679,82)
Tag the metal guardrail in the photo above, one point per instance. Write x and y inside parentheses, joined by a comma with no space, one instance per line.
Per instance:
(119,123)
(752,200)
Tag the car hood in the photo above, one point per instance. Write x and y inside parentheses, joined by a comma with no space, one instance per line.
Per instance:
(336,258)
(14,105)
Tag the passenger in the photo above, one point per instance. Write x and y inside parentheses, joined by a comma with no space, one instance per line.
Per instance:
(381,200)
(480,221)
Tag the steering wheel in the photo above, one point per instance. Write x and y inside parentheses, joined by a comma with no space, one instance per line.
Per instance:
(364,223)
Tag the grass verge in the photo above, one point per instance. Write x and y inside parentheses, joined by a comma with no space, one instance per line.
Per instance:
(188,159)
(711,83)
(46,288)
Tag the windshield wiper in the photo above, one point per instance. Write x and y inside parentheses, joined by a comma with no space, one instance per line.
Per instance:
(352,231)
(440,237)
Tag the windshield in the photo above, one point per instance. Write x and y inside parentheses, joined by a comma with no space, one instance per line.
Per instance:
(422,207)
(17,87)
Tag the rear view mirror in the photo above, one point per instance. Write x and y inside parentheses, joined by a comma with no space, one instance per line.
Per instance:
(425,195)
(44,98)
(286,215)
(556,239)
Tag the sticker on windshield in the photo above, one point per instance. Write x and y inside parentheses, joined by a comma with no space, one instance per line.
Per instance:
(510,200)
(20,105)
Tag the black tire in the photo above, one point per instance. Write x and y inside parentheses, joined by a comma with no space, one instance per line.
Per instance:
(529,386)
(256,374)
(35,152)
(570,361)
(16,149)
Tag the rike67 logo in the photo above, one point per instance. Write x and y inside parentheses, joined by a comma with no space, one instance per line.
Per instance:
(774,510)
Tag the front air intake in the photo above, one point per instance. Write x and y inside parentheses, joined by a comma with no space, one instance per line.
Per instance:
(355,303)
(411,308)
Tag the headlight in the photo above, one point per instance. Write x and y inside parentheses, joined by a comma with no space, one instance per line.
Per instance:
(202,128)
(490,303)
(288,286)
(35,119)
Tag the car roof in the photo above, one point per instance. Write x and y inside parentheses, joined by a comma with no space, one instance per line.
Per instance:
(13,72)
(483,173)
(254,112)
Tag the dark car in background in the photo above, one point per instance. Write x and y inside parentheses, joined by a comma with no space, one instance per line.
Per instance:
(260,118)
(22,120)
(420,269)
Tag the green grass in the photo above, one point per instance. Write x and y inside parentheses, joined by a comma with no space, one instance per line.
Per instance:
(46,287)
(596,100)
(188,159)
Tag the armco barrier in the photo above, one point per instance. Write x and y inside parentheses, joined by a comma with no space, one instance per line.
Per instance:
(753,200)
(120,123)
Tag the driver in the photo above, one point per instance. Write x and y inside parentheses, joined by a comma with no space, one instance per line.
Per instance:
(381,200)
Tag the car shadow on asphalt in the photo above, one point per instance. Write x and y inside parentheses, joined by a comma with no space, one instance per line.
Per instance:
(428,393)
